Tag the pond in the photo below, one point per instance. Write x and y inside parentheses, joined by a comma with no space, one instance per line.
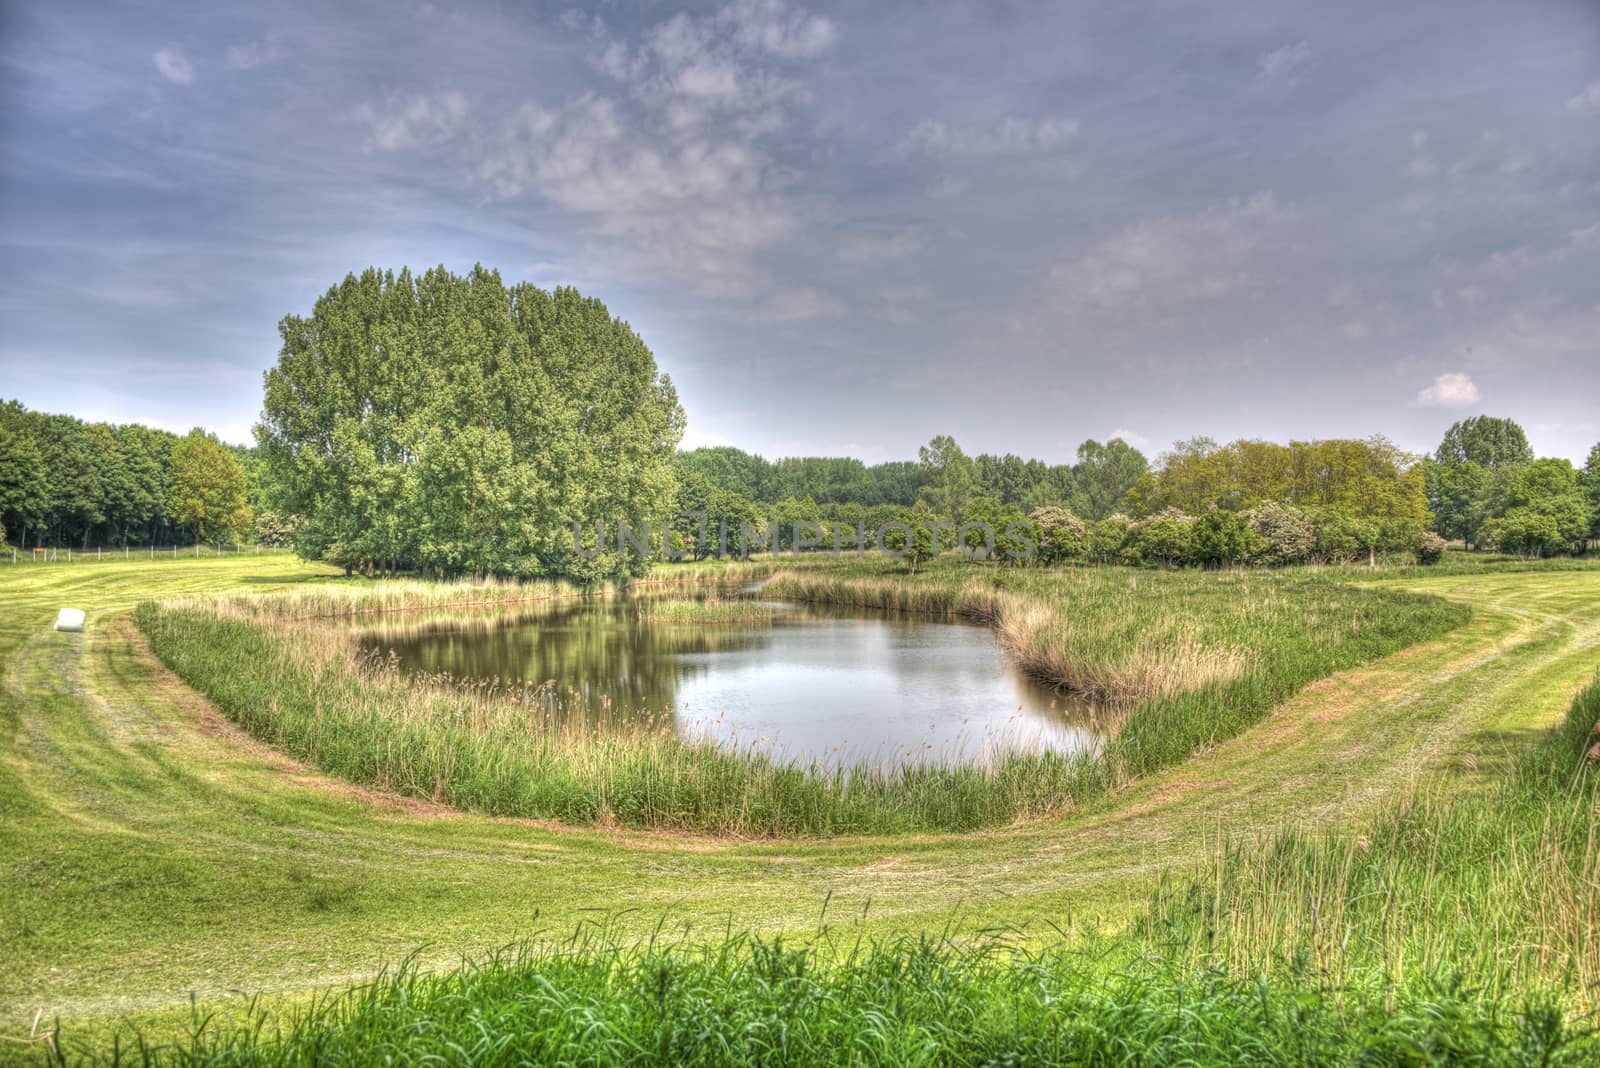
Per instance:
(834,686)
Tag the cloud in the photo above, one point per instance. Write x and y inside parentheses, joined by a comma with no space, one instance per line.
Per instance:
(579,21)
(412,121)
(1283,63)
(730,65)
(879,248)
(899,304)
(1173,260)
(797,305)
(1012,135)
(1136,440)
(1586,102)
(770,26)
(260,53)
(1453,390)
(673,170)
(173,65)
(1422,164)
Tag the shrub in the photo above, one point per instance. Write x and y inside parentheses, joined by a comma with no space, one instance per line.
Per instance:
(1432,548)
(274,530)
(1219,538)
(1287,532)
(1342,537)
(1400,535)
(1164,538)
(1107,538)
(1527,532)
(1064,537)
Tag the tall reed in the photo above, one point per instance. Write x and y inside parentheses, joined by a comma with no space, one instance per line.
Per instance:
(517,751)
(595,999)
(286,667)
(1499,889)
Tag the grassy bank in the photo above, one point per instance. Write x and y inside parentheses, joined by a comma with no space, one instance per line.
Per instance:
(152,849)
(1497,890)
(505,752)
(1195,656)
(1207,653)
(1459,932)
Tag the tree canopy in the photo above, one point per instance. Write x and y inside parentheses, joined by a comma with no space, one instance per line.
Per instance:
(1486,441)
(208,489)
(458,425)
(65,481)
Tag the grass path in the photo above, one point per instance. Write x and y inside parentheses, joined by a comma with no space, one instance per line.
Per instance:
(150,850)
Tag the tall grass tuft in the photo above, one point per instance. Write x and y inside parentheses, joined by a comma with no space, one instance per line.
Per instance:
(1499,889)
(711,611)
(922,1000)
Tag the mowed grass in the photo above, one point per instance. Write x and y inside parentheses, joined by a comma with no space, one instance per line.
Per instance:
(1194,657)
(151,850)
(1455,933)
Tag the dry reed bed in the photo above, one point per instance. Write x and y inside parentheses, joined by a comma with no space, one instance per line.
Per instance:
(1073,637)
(336,600)
(1191,657)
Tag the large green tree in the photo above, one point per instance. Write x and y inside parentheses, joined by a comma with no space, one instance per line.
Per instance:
(1486,441)
(1546,510)
(952,477)
(24,494)
(456,424)
(208,494)
(1591,489)
(1103,475)
(1469,473)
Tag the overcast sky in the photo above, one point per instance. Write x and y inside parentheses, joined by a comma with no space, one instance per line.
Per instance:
(841,228)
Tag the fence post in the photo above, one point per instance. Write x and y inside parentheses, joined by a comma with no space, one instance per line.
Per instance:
(69,554)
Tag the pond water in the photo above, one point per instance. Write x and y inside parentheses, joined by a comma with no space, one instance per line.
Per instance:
(826,685)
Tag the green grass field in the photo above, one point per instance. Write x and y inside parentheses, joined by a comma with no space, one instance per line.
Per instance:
(152,850)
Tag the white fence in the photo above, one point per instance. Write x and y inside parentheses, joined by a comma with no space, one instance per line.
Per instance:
(99,554)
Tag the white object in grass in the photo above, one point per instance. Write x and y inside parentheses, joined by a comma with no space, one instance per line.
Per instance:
(69,619)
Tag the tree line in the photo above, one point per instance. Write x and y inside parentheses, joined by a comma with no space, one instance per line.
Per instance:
(64,481)
(457,425)
(1199,503)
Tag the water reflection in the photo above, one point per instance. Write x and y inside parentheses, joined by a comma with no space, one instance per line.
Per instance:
(818,684)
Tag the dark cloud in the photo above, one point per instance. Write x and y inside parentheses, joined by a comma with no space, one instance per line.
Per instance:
(841,227)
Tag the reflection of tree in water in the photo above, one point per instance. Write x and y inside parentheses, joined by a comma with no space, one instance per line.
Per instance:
(596,654)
